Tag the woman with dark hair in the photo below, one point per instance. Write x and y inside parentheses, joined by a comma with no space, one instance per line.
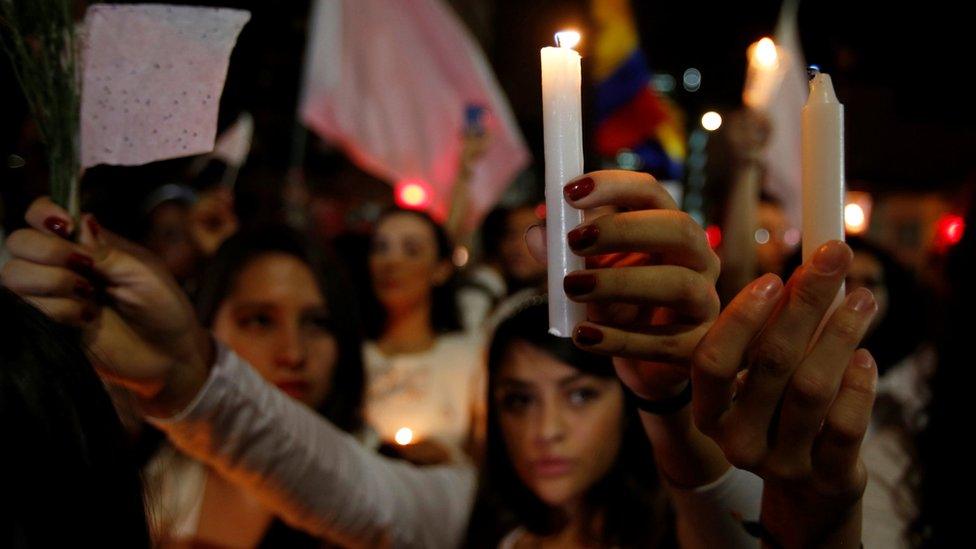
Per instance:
(66,473)
(273,301)
(567,458)
(424,373)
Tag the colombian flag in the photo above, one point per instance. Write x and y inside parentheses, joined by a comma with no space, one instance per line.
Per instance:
(630,113)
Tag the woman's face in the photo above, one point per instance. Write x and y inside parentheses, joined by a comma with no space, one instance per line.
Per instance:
(275,317)
(562,428)
(403,262)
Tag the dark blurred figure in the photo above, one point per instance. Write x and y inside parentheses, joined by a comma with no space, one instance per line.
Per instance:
(65,472)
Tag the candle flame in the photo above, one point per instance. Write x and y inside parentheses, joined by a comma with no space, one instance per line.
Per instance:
(567,39)
(403,436)
(764,54)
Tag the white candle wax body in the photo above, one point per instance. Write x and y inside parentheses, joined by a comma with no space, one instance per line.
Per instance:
(823,167)
(563,134)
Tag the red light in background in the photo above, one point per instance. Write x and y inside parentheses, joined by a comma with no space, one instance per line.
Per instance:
(949,230)
(714,235)
(540,211)
(412,195)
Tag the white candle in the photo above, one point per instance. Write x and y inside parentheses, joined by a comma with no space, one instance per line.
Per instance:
(823,167)
(563,134)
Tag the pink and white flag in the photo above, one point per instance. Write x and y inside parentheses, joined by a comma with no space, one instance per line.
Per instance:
(389,83)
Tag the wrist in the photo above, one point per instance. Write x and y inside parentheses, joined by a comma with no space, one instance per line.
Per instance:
(185,380)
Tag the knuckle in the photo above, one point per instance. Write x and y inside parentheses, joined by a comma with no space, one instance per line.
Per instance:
(774,356)
(707,361)
(811,390)
(845,328)
(806,296)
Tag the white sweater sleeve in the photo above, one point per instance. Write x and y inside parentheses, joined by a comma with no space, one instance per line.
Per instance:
(313,475)
(717,514)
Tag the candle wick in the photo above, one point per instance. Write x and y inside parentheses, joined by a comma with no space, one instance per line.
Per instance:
(813,71)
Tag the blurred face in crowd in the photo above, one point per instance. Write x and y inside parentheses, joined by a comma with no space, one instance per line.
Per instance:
(403,262)
(517,263)
(772,239)
(276,318)
(867,272)
(562,428)
(171,240)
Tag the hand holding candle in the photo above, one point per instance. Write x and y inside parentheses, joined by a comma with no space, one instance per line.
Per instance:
(563,134)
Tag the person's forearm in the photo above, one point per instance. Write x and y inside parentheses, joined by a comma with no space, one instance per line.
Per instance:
(313,475)
(738,249)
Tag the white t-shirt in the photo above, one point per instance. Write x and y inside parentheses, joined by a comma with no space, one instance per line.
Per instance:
(436,393)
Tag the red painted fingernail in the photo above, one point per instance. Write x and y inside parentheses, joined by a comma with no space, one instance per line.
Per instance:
(588,335)
(80,263)
(84,289)
(583,237)
(579,188)
(579,284)
(93,226)
(57,226)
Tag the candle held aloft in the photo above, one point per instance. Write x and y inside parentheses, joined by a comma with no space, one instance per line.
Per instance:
(823,166)
(563,135)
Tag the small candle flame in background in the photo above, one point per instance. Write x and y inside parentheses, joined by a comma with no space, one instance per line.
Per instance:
(764,53)
(403,436)
(567,39)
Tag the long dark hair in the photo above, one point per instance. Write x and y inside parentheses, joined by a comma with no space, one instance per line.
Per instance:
(343,406)
(67,475)
(900,332)
(626,508)
(444,317)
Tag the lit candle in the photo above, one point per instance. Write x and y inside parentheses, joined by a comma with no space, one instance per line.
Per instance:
(762,76)
(563,134)
(403,436)
(823,166)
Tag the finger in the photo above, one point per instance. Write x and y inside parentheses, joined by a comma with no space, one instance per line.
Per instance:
(816,382)
(719,356)
(621,188)
(673,234)
(535,240)
(47,249)
(37,280)
(786,338)
(64,310)
(44,215)
(687,292)
(654,345)
(836,453)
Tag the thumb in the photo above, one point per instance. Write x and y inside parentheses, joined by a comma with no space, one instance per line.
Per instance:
(535,239)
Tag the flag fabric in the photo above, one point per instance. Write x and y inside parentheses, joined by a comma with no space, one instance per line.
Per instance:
(779,95)
(631,114)
(390,83)
(152,78)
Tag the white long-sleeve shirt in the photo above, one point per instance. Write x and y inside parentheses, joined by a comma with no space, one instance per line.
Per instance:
(321,480)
